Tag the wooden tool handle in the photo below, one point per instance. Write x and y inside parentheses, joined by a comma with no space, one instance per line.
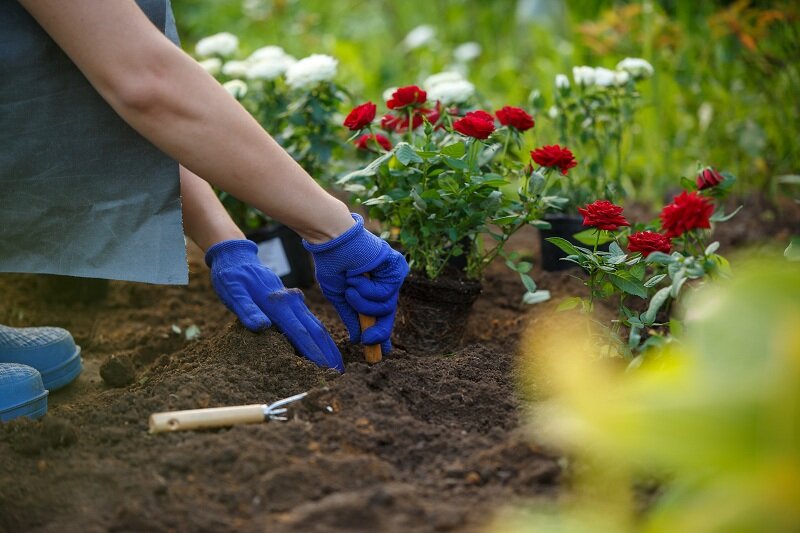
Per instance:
(372,352)
(214,417)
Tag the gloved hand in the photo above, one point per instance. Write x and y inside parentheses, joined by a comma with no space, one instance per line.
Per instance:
(341,264)
(257,296)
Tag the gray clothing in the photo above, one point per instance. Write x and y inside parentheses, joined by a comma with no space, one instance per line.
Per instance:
(81,193)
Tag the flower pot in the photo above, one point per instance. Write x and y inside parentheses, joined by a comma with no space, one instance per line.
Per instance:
(564,226)
(432,314)
(281,249)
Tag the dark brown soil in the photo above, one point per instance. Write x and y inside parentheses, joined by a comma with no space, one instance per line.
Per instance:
(413,443)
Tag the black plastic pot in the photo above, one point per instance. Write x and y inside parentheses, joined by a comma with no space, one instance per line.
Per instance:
(564,226)
(432,314)
(281,249)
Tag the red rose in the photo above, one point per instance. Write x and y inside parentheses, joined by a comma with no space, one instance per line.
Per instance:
(360,117)
(708,177)
(477,124)
(687,211)
(647,242)
(363,142)
(554,156)
(515,117)
(397,124)
(602,214)
(407,96)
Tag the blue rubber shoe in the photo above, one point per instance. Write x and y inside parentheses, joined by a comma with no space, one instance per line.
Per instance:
(51,351)
(21,392)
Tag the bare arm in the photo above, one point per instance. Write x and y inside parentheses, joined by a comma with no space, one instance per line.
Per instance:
(163,94)
(205,220)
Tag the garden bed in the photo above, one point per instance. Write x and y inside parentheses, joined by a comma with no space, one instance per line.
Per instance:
(422,443)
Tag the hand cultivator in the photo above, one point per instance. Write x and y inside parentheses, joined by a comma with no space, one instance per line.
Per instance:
(216,417)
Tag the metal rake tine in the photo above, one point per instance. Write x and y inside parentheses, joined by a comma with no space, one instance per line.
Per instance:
(286,401)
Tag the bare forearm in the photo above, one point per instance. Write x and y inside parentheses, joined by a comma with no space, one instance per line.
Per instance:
(205,220)
(173,102)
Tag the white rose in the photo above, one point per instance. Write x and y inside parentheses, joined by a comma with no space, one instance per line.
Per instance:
(604,77)
(236,88)
(637,67)
(466,52)
(583,75)
(441,77)
(454,92)
(419,36)
(622,77)
(221,44)
(267,69)
(235,69)
(266,52)
(211,65)
(562,81)
(552,112)
(311,70)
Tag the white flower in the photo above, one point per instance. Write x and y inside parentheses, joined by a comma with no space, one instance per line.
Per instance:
(211,65)
(705,114)
(621,77)
(604,77)
(637,67)
(236,88)
(583,75)
(419,36)
(267,52)
(466,52)
(221,44)
(441,77)
(311,70)
(235,69)
(387,94)
(453,92)
(562,81)
(267,69)
(552,112)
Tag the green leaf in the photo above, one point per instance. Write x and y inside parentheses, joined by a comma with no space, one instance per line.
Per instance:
(369,170)
(523,267)
(506,220)
(711,248)
(660,258)
(688,184)
(652,282)
(569,303)
(455,150)
(656,303)
(677,282)
(629,284)
(638,271)
(564,245)
(541,224)
(720,216)
(589,237)
(406,154)
(615,250)
(379,200)
(530,285)
(537,297)
(456,164)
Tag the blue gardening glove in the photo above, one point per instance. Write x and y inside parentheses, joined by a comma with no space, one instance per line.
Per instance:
(257,296)
(341,264)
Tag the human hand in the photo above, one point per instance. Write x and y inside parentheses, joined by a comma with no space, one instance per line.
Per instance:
(340,266)
(257,296)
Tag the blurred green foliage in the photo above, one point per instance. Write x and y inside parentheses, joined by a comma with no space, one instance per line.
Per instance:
(724,91)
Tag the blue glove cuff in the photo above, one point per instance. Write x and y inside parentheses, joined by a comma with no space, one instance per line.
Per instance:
(355,251)
(231,253)
(341,240)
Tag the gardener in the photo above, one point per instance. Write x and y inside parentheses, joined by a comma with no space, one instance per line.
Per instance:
(97,103)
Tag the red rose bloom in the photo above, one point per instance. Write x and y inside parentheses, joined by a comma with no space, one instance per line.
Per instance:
(477,124)
(367,142)
(602,214)
(708,177)
(554,156)
(360,117)
(687,211)
(515,117)
(398,124)
(407,96)
(647,242)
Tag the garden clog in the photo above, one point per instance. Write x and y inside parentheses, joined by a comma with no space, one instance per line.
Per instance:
(22,392)
(51,351)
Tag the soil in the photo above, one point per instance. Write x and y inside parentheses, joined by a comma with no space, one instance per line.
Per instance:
(423,443)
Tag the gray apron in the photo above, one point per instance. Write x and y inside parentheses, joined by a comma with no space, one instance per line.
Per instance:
(81,193)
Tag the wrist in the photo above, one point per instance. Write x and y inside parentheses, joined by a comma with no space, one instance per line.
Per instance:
(330,224)
(231,252)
